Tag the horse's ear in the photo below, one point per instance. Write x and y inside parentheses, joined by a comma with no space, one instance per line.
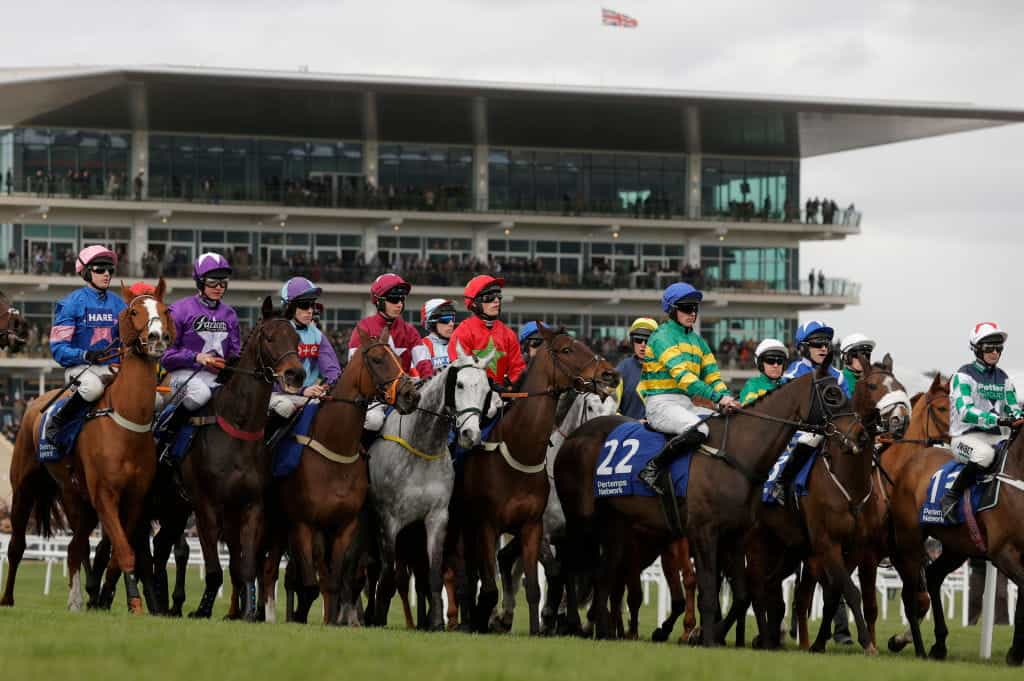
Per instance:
(384,335)
(545,333)
(460,352)
(887,362)
(161,289)
(936,382)
(944,383)
(485,360)
(364,338)
(267,310)
(126,293)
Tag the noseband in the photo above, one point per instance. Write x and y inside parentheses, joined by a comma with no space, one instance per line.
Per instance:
(577,381)
(449,410)
(385,389)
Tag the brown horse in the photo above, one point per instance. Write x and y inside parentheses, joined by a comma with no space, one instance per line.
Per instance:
(13,327)
(718,508)
(322,498)
(113,462)
(681,578)
(504,486)
(829,523)
(1001,540)
(227,468)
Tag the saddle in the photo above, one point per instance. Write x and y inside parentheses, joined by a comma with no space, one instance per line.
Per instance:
(983,495)
(66,436)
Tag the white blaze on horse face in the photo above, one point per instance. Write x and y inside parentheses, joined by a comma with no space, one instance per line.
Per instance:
(155,324)
(471,394)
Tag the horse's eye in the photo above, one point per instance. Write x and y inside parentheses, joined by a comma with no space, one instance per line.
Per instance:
(134,312)
(459,384)
(943,409)
(566,350)
(872,386)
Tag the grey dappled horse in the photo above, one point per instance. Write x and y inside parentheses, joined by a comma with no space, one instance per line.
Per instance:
(411,480)
(574,409)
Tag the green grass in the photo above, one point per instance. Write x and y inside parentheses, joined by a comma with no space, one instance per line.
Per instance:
(43,641)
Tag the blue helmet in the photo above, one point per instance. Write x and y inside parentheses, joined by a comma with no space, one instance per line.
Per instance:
(528,329)
(815,327)
(679,292)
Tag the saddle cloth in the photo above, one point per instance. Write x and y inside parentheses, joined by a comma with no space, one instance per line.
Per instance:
(182,438)
(800,483)
(984,492)
(626,450)
(66,436)
(289,451)
(459,453)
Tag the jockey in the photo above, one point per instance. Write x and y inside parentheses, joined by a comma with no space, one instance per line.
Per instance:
(679,366)
(814,342)
(530,340)
(84,332)
(484,332)
(298,297)
(207,338)
(984,407)
(388,293)
(630,368)
(437,317)
(770,357)
(855,348)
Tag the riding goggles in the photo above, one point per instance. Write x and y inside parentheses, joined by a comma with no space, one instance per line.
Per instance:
(489,297)
(305,304)
(216,282)
(102,269)
(444,319)
(395,299)
(688,308)
(773,361)
(819,343)
(638,339)
(991,347)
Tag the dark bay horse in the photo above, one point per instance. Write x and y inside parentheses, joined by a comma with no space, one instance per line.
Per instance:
(13,327)
(830,523)
(321,499)
(717,510)
(505,486)
(1001,540)
(227,468)
(113,462)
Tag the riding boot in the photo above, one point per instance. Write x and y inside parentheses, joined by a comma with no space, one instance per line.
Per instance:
(797,460)
(962,483)
(75,404)
(276,427)
(170,429)
(688,440)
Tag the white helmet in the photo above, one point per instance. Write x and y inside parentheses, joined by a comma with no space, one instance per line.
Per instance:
(857,341)
(769,344)
(983,330)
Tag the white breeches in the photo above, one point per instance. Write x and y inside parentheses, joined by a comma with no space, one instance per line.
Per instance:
(91,382)
(976,447)
(674,413)
(197,391)
(284,405)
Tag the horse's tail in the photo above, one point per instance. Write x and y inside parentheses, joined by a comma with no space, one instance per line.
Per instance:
(33,483)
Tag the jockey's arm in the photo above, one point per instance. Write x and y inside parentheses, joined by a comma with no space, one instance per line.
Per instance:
(64,324)
(962,390)
(330,367)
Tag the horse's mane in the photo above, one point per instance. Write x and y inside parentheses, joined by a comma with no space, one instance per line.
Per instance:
(771,393)
(223,376)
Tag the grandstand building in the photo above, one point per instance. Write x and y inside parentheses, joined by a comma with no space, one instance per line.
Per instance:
(589,199)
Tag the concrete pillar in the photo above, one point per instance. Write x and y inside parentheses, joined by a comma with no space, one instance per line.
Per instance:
(480,237)
(370,244)
(693,188)
(139,162)
(42,382)
(692,254)
(139,244)
(371,171)
(481,179)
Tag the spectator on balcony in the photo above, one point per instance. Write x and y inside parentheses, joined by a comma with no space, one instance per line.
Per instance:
(821,282)
(139,183)
(12,261)
(767,208)
(810,282)
(9,181)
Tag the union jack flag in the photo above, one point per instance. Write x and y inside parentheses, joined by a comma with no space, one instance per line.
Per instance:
(610,17)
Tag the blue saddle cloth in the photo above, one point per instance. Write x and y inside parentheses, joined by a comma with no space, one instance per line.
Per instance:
(66,436)
(289,451)
(801,483)
(984,492)
(459,453)
(181,439)
(627,449)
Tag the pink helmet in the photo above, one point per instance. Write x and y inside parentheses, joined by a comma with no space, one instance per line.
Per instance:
(386,283)
(87,255)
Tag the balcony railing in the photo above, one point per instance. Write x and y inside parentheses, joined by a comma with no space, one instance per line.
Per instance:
(453,199)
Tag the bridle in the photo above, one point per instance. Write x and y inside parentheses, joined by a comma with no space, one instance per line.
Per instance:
(265,370)
(448,411)
(137,344)
(385,389)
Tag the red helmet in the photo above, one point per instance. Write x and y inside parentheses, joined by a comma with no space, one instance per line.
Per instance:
(477,285)
(388,282)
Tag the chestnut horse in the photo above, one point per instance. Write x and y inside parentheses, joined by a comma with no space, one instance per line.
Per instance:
(830,522)
(504,486)
(227,468)
(717,511)
(113,462)
(322,498)
(13,328)
(1001,540)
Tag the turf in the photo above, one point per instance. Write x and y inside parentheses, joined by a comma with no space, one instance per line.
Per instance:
(43,641)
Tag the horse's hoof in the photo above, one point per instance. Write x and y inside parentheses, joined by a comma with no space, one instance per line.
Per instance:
(659,635)
(816,648)
(895,645)
(696,637)
(197,615)
(135,606)
(175,611)
(871,650)
(1014,658)
(938,652)
(464,628)
(755,643)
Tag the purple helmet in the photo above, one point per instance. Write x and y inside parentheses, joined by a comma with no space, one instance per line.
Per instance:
(299,288)
(210,264)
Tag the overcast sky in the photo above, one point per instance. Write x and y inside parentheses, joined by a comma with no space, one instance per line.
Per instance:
(940,243)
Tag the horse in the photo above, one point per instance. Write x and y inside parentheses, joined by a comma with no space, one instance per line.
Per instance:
(680,577)
(573,410)
(412,474)
(832,520)
(504,485)
(323,497)
(226,470)
(13,327)
(997,536)
(108,473)
(717,510)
